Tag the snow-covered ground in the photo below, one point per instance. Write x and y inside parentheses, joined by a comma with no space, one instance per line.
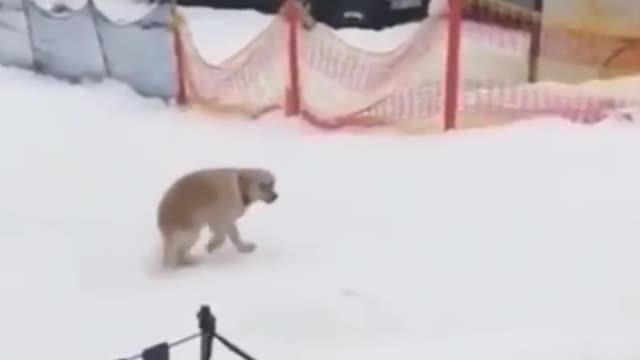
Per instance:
(512,243)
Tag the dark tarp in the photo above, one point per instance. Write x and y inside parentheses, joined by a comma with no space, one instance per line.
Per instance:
(368,14)
(267,6)
(372,14)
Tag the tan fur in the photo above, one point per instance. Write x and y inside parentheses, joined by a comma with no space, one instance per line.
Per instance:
(213,198)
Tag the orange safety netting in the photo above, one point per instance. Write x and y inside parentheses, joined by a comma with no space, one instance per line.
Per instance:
(497,90)
(333,84)
(252,81)
(342,85)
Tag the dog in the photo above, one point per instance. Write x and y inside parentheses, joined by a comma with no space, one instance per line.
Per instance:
(211,197)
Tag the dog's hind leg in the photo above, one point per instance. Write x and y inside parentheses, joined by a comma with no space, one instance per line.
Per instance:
(240,245)
(177,246)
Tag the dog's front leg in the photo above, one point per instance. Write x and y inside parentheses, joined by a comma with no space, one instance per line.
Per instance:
(216,240)
(240,245)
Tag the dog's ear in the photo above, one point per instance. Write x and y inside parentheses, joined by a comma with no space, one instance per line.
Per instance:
(244,185)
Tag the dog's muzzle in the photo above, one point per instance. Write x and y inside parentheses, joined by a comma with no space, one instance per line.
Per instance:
(273,197)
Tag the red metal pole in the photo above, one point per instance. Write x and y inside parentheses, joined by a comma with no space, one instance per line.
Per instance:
(181,96)
(452,74)
(293,92)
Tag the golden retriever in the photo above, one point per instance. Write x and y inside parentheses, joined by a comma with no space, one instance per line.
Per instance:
(213,198)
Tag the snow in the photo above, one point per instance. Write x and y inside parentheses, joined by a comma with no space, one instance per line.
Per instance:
(517,242)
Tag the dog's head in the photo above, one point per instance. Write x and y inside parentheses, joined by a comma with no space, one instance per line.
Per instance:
(257,184)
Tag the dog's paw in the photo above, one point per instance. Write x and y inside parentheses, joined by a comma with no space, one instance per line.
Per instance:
(247,247)
(188,262)
(182,261)
(213,244)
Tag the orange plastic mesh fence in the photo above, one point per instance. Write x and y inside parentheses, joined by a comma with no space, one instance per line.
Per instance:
(252,82)
(340,85)
(495,88)
(564,41)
